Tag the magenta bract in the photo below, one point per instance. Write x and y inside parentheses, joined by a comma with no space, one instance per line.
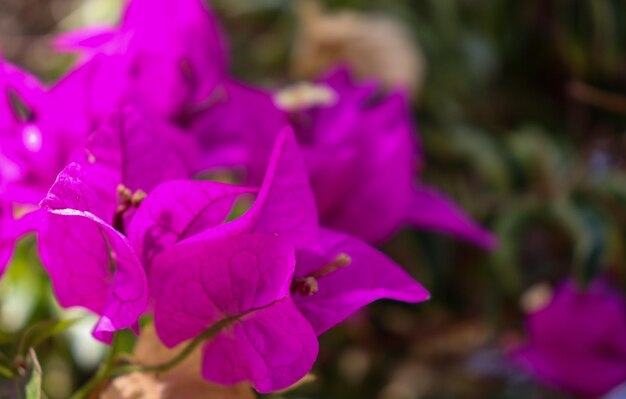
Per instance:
(175,43)
(207,273)
(578,341)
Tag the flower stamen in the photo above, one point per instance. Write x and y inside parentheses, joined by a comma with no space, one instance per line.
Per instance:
(126,200)
(309,285)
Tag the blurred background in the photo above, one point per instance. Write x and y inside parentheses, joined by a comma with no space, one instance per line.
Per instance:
(520,107)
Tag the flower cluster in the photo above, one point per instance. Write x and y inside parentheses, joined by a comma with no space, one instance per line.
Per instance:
(103,167)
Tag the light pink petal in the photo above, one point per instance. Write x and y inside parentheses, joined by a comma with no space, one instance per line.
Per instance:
(370,276)
(178,209)
(272,348)
(432,210)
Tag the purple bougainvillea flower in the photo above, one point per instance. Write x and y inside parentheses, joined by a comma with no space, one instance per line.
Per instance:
(242,274)
(28,156)
(233,129)
(346,274)
(332,268)
(11,230)
(360,149)
(90,264)
(578,341)
(175,43)
(82,246)
(177,210)
(362,156)
(39,130)
(37,136)
(433,210)
(132,148)
(87,41)
(244,282)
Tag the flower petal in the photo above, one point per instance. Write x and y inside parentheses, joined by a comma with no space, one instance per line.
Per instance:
(93,266)
(178,209)
(285,205)
(369,276)
(273,349)
(243,279)
(432,210)
(217,279)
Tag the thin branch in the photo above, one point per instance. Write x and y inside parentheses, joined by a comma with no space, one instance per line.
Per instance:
(595,97)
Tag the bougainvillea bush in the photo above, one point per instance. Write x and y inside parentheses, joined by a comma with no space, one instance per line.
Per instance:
(105,167)
(202,199)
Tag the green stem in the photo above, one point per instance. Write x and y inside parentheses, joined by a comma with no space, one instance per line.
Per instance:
(102,374)
(191,346)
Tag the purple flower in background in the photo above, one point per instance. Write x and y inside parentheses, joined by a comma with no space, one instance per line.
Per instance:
(237,128)
(20,144)
(360,150)
(272,277)
(362,158)
(7,240)
(30,157)
(12,229)
(578,341)
(175,43)
(39,132)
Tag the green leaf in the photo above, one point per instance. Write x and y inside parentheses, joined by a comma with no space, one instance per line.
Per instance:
(509,227)
(39,332)
(585,234)
(33,386)
(482,153)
